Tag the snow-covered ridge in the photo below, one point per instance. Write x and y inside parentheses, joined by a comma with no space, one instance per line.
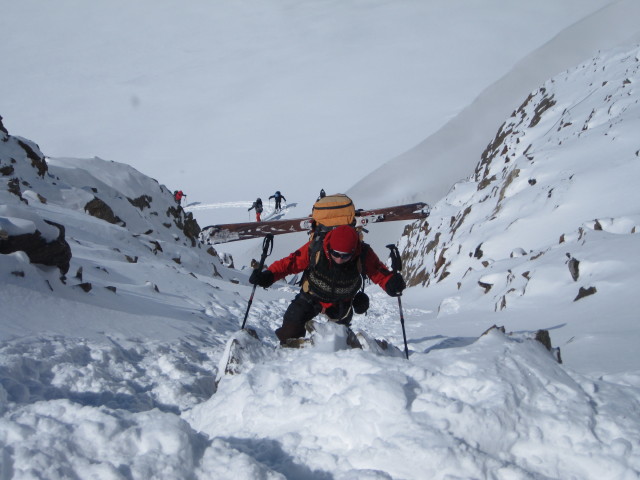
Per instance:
(551,214)
(107,193)
(572,139)
(123,230)
(73,183)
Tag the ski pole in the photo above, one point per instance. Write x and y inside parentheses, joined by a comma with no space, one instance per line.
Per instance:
(267,248)
(396,265)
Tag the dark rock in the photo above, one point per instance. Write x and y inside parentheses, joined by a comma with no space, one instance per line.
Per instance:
(191,228)
(156,247)
(14,187)
(493,327)
(185,222)
(37,160)
(99,209)
(574,268)
(543,106)
(485,286)
(56,253)
(86,286)
(141,202)
(585,292)
(543,337)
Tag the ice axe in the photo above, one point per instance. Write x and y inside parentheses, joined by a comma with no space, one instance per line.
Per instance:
(396,266)
(267,248)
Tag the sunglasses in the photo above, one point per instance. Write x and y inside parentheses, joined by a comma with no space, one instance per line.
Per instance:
(343,256)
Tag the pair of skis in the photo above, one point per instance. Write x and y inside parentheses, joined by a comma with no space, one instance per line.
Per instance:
(232,232)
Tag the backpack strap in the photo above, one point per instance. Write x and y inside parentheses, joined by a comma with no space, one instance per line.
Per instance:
(316,243)
(364,250)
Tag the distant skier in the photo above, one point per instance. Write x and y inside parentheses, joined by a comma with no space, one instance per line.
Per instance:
(177,195)
(278,198)
(258,206)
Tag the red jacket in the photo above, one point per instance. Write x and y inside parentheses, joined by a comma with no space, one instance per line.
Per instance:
(298,261)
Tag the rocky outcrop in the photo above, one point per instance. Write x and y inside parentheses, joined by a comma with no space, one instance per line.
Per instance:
(141,202)
(185,222)
(99,209)
(106,190)
(56,253)
(37,159)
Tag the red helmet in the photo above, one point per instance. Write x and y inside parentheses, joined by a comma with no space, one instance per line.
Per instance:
(343,239)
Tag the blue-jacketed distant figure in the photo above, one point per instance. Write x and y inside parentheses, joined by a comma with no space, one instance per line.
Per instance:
(278,197)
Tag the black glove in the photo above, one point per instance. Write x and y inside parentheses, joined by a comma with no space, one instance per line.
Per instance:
(261,278)
(395,285)
(360,303)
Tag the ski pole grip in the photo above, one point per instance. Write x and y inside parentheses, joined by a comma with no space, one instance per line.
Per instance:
(267,248)
(396,260)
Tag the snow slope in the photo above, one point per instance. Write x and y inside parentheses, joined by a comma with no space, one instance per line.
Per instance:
(549,215)
(121,383)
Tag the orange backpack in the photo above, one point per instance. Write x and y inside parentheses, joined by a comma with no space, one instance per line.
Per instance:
(329,212)
(334,210)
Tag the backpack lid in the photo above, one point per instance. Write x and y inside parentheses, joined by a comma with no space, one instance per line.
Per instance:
(333,210)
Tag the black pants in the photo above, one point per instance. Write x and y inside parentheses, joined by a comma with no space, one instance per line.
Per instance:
(303,308)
